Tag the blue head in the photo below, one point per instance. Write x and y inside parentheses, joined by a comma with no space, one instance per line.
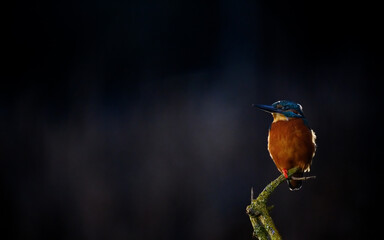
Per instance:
(283,108)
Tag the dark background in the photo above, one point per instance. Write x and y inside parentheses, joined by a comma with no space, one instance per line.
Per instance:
(133,119)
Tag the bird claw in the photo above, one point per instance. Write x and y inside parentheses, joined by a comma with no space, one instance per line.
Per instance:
(285,173)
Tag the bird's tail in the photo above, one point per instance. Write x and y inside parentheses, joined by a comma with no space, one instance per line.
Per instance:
(295,184)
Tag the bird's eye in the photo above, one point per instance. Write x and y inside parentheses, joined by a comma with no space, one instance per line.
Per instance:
(279,106)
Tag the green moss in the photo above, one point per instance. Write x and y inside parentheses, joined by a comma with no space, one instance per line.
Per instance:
(258,212)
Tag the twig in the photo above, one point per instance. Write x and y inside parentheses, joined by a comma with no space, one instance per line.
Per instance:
(258,212)
(302,178)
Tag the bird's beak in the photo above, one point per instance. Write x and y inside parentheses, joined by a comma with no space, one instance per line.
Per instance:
(267,108)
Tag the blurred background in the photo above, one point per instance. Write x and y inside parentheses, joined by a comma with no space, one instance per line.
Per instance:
(133,119)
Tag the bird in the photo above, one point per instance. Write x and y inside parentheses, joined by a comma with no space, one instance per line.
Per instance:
(291,142)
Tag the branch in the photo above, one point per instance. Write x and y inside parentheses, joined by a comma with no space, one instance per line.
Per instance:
(258,212)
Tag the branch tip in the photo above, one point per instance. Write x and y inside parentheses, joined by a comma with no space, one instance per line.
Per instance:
(303,178)
(251,194)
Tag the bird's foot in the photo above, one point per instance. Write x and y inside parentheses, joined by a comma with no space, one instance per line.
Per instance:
(285,173)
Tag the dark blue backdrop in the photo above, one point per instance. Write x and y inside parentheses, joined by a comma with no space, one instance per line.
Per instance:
(133,120)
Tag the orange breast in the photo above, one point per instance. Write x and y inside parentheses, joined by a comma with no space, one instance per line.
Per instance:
(291,144)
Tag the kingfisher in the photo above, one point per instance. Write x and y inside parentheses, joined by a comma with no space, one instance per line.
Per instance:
(291,142)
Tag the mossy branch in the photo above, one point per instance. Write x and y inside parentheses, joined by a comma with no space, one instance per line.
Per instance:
(258,212)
